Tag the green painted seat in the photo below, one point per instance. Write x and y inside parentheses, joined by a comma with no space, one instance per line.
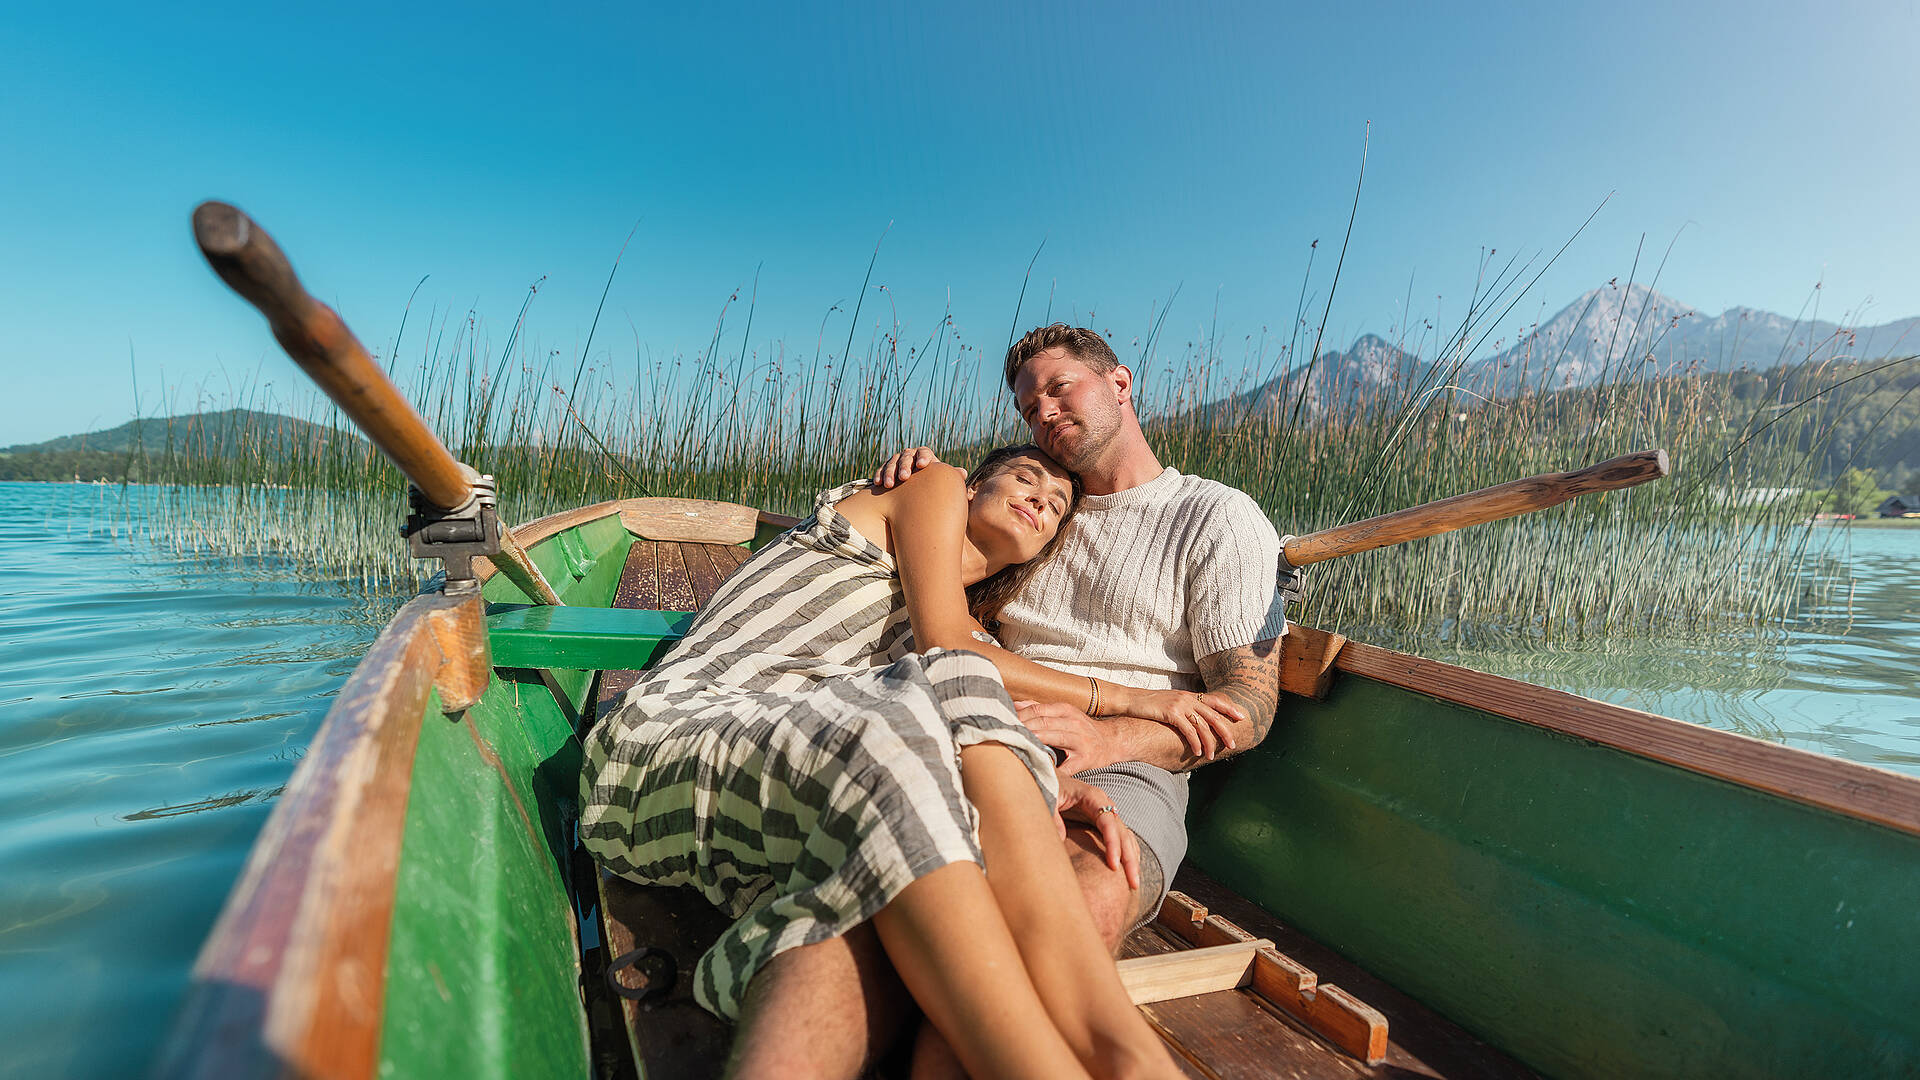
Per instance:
(581,638)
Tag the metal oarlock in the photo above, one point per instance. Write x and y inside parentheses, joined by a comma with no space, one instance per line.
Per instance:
(1292,579)
(455,537)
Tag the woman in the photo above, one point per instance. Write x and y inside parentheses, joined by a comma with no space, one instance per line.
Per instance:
(827,747)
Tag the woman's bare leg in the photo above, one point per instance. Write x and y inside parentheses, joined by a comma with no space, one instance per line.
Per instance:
(947,939)
(1067,961)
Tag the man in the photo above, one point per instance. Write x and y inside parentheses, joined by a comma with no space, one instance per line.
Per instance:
(1164,581)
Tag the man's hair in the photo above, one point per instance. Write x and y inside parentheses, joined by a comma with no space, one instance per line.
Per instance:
(1082,344)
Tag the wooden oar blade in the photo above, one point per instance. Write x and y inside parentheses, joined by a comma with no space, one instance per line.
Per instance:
(317,339)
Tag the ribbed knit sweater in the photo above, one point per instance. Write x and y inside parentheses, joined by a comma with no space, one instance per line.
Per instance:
(1148,580)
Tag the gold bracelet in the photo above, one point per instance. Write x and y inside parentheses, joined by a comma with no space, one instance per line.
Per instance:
(1093,696)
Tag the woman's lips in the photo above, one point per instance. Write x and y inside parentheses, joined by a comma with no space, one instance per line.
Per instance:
(1028,514)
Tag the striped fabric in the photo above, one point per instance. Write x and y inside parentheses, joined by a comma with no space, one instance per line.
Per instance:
(791,757)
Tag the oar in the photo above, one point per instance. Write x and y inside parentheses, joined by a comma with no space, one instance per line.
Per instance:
(247,259)
(1474,508)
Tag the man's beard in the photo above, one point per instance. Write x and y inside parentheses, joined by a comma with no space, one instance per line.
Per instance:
(1082,446)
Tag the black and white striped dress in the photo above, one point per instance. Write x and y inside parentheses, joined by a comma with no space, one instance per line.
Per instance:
(791,757)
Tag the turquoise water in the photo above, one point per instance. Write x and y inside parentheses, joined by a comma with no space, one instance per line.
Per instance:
(1843,680)
(150,710)
(152,706)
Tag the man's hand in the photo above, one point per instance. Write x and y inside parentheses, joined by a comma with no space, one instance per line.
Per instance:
(1086,742)
(902,465)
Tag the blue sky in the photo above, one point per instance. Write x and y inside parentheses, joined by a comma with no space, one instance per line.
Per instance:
(1152,149)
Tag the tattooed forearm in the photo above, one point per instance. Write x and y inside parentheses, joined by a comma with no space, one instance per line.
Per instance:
(1250,676)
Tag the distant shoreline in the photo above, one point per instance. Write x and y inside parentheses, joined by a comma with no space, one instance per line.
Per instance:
(1871,523)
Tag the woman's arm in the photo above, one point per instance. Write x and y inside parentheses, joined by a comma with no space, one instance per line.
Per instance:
(926,518)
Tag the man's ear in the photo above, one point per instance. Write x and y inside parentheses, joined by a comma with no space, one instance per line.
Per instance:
(1122,379)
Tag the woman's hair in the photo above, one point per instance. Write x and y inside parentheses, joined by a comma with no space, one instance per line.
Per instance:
(986,597)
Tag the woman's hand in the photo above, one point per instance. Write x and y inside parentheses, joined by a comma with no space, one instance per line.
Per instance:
(1203,721)
(1082,802)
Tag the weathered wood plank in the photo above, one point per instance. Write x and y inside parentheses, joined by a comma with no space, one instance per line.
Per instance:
(540,529)
(696,520)
(702,573)
(1233,1035)
(676,587)
(671,1036)
(1190,971)
(1306,660)
(1845,787)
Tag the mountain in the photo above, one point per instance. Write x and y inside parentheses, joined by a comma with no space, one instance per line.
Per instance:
(1605,333)
(212,434)
(1613,329)
(1371,369)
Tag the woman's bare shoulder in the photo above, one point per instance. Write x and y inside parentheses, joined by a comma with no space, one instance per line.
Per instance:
(938,480)
(937,490)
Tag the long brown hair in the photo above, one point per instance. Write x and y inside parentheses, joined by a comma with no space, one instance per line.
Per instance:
(987,596)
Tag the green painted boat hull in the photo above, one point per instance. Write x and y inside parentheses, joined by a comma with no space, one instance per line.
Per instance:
(1587,910)
(483,978)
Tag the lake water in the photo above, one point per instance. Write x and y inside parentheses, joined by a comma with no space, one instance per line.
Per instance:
(151,708)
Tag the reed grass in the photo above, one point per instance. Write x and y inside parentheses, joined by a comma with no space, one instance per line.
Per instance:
(769,426)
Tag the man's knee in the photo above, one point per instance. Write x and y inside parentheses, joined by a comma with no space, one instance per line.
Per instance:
(822,1010)
(1109,899)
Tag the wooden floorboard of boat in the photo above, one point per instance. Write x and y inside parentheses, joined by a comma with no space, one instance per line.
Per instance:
(1232,1034)
(674,1037)
(666,576)
(1420,1042)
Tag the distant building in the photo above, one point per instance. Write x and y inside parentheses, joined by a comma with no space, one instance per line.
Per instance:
(1900,506)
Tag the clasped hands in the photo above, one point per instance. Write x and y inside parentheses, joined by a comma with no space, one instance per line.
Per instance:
(1204,723)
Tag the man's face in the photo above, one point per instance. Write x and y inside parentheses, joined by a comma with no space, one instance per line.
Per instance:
(1074,411)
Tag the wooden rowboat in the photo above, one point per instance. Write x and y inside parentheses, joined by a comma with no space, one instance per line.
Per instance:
(1460,875)
(1423,869)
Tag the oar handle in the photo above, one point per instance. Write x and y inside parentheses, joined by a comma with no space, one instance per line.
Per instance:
(1475,508)
(247,259)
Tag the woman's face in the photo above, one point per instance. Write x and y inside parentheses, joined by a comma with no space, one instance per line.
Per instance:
(1013,513)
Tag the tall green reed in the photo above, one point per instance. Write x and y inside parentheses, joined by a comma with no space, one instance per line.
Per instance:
(769,425)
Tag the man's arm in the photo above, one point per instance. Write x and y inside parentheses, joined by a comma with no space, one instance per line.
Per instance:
(1249,676)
